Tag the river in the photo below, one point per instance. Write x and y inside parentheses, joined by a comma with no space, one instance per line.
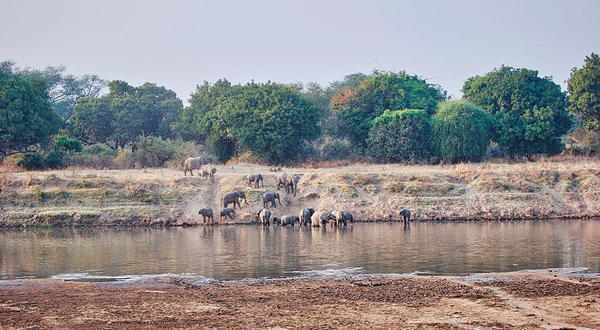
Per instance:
(250,251)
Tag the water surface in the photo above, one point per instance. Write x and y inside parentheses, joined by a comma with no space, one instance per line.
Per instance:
(236,252)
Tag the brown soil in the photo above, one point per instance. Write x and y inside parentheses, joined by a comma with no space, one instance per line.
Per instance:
(517,301)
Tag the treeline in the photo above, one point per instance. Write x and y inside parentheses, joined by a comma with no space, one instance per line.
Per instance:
(383,116)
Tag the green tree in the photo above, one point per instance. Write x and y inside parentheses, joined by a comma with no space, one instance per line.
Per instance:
(401,135)
(357,106)
(127,112)
(270,120)
(26,117)
(460,132)
(584,92)
(529,112)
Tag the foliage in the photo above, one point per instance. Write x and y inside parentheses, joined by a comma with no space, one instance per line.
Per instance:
(55,159)
(335,149)
(529,112)
(126,113)
(94,156)
(460,132)
(356,107)
(31,161)
(26,117)
(401,135)
(584,92)
(64,143)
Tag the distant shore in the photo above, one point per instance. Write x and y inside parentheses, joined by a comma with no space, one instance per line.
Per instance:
(527,300)
(165,197)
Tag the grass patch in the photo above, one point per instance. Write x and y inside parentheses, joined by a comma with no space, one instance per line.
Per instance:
(349,191)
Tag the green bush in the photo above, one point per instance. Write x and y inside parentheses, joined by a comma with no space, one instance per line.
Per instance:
(64,143)
(335,149)
(54,159)
(401,135)
(460,132)
(94,156)
(31,161)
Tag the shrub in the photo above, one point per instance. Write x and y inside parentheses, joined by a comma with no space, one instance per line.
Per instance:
(460,132)
(31,161)
(335,149)
(401,135)
(64,143)
(54,160)
(94,156)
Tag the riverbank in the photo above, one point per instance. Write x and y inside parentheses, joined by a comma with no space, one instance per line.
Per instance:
(527,300)
(164,197)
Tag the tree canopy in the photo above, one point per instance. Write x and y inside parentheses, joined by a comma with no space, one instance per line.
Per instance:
(26,117)
(358,105)
(529,112)
(127,112)
(460,132)
(584,92)
(401,135)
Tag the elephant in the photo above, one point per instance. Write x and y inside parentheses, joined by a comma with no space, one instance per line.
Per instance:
(257,179)
(228,212)
(321,218)
(405,214)
(341,218)
(276,221)
(270,197)
(211,173)
(193,164)
(305,215)
(203,172)
(282,181)
(264,216)
(292,184)
(234,198)
(288,220)
(348,216)
(206,213)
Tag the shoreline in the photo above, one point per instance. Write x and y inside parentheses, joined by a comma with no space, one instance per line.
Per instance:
(545,299)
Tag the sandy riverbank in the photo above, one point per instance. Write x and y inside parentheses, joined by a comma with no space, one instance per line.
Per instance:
(159,197)
(540,300)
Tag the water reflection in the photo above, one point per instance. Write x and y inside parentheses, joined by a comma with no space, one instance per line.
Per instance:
(234,252)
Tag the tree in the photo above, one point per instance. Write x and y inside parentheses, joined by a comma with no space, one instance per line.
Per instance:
(127,112)
(65,89)
(270,120)
(357,106)
(584,92)
(26,118)
(460,132)
(529,112)
(401,135)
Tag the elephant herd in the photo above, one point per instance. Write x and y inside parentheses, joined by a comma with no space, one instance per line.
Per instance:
(305,217)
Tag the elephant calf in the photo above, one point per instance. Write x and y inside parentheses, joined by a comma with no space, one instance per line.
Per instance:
(305,215)
(405,214)
(288,220)
(206,214)
(228,212)
(264,216)
(321,218)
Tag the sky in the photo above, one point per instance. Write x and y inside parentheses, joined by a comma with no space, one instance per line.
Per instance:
(181,43)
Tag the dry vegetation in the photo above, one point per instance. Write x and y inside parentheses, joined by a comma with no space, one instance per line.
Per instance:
(373,192)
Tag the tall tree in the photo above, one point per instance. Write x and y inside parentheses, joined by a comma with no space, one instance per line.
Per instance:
(26,117)
(357,106)
(584,92)
(529,111)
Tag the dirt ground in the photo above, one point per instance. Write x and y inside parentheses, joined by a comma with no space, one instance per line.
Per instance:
(492,301)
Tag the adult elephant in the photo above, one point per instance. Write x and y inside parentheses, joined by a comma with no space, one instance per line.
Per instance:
(282,181)
(341,218)
(319,219)
(234,198)
(256,179)
(264,216)
(405,214)
(191,164)
(305,215)
(270,197)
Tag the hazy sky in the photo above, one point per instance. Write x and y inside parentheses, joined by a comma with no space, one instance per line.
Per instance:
(180,43)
